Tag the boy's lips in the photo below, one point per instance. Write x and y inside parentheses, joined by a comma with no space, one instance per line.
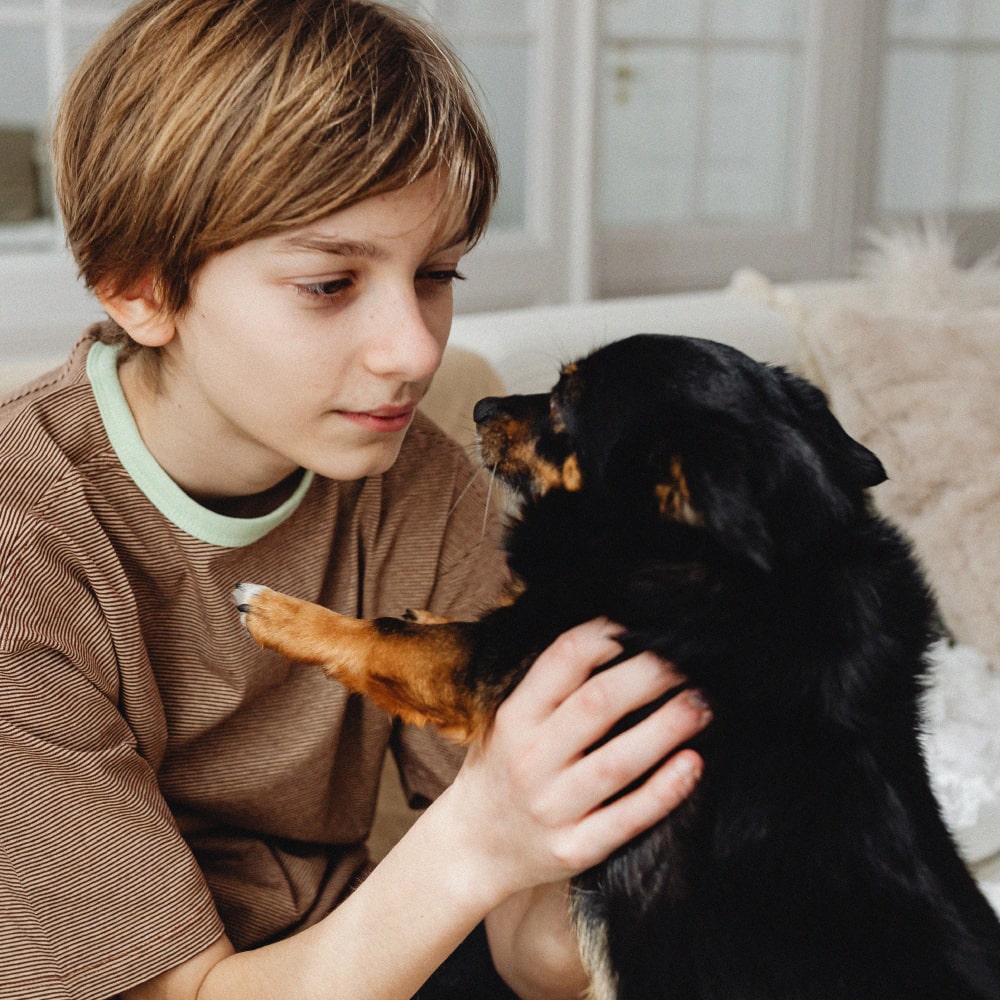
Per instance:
(383,419)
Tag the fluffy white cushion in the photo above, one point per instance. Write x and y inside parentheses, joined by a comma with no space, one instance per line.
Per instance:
(962,743)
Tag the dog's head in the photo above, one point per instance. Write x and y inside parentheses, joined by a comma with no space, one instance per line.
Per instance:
(685,430)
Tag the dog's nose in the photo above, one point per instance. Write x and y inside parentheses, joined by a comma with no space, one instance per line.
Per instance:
(486,409)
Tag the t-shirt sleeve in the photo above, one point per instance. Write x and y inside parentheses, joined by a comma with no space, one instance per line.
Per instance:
(98,890)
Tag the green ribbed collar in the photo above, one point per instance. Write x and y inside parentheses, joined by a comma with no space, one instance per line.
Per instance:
(168,498)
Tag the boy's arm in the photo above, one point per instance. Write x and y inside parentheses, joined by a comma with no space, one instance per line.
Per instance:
(528,808)
(533,945)
(384,941)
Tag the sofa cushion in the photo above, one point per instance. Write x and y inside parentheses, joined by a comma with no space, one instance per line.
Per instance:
(921,390)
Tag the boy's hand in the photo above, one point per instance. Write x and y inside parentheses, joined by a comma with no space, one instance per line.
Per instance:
(533,802)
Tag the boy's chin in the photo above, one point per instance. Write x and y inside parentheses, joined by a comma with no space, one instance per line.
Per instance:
(360,463)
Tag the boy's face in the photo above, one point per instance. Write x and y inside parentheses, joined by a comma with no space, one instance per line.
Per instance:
(311,348)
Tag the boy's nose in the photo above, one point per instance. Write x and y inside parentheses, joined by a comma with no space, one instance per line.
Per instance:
(407,347)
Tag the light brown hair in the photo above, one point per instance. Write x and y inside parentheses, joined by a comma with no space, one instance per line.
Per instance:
(193,126)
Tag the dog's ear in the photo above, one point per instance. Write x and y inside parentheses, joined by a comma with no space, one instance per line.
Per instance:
(852,463)
(732,514)
(718,497)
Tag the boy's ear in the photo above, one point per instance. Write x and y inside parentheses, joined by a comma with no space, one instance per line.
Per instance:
(139,311)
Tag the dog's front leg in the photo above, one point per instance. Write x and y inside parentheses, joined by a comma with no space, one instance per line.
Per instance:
(412,669)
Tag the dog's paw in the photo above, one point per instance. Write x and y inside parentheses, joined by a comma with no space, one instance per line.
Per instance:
(245,596)
(295,628)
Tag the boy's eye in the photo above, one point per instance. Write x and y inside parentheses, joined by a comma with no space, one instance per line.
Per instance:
(322,290)
(325,289)
(445,276)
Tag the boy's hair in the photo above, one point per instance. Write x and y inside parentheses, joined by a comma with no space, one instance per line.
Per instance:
(193,126)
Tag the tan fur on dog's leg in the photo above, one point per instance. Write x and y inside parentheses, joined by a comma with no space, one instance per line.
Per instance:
(408,669)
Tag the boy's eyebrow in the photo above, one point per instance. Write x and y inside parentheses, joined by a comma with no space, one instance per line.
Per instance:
(348,248)
(338,248)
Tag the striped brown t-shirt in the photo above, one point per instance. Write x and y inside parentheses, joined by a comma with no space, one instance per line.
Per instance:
(162,777)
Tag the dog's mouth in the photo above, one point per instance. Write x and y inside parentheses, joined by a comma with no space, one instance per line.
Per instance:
(523,442)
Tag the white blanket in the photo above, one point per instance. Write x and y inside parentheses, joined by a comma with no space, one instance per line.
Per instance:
(962,742)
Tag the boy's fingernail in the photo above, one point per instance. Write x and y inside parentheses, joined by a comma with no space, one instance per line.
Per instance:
(697,700)
(688,769)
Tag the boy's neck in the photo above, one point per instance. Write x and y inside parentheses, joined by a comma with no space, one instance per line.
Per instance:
(207,470)
(256,504)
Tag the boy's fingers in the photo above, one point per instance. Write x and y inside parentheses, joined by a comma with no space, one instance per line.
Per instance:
(563,675)
(634,752)
(590,711)
(565,665)
(608,828)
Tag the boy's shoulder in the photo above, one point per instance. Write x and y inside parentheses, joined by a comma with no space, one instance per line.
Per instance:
(45,392)
(49,426)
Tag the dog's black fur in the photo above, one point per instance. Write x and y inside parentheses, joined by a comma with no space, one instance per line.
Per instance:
(720,514)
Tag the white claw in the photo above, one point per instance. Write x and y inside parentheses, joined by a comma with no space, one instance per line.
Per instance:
(243,594)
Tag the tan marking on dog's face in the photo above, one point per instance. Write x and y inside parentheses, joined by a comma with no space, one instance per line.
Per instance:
(548,476)
(674,497)
(501,441)
(572,479)
(507,446)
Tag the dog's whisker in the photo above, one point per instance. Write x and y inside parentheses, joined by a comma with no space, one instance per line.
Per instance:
(489,496)
(461,496)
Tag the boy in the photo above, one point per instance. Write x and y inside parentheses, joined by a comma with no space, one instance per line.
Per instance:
(271,200)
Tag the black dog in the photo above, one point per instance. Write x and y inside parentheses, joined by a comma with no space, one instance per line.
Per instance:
(714,507)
